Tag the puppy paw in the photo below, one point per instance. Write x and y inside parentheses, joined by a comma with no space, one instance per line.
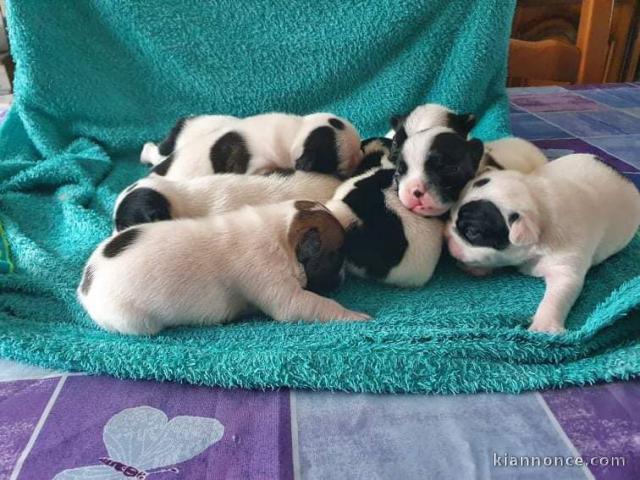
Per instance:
(547,326)
(475,271)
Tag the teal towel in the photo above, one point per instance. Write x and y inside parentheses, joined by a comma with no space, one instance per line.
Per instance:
(97,78)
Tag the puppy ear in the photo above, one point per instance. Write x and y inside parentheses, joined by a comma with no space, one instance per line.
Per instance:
(524,228)
(397,121)
(462,123)
(475,149)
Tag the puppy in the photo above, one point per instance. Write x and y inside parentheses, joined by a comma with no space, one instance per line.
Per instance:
(384,241)
(555,223)
(428,116)
(157,198)
(207,144)
(272,258)
(434,165)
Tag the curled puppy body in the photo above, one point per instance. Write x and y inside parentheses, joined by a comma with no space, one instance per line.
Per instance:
(202,145)
(385,241)
(272,258)
(435,165)
(157,198)
(555,223)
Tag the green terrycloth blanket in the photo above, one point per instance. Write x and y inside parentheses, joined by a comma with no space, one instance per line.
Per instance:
(95,79)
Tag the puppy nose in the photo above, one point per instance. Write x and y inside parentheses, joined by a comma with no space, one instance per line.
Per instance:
(417,193)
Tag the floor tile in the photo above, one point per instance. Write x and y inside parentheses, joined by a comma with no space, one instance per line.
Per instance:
(560,147)
(626,148)
(531,127)
(555,102)
(417,436)
(615,97)
(594,124)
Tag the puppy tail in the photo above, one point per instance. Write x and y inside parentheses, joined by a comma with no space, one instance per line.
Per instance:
(150,154)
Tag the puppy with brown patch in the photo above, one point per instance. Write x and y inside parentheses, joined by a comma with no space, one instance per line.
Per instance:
(274,258)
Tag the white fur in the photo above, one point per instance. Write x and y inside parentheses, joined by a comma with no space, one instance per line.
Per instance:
(203,272)
(575,212)
(514,153)
(274,140)
(424,236)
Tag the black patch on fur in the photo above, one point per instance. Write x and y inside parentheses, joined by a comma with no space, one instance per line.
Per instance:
(451,163)
(322,269)
(87,279)
(481,224)
(397,121)
(481,182)
(319,153)
(399,138)
(168,145)
(163,167)
(462,123)
(337,124)
(489,161)
(230,154)
(369,161)
(143,205)
(379,243)
(513,217)
(120,242)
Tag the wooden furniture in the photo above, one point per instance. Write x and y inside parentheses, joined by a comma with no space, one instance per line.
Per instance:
(551,45)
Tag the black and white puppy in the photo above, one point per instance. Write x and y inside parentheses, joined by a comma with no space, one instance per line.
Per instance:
(273,258)
(157,198)
(428,116)
(384,241)
(555,223)
(206,144)
(435,164)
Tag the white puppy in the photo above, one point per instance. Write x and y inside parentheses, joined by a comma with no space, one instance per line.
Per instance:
(555,223)
(215,269)
(156,198)
(385,241)
(207,144)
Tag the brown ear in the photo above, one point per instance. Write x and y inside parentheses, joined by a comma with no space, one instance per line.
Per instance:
(313,228)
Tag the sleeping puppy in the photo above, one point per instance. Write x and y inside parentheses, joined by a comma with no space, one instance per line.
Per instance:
(271,258)
(156,198)
(434,166)
(207,144)
(385,241)
(428,116)
(555,223)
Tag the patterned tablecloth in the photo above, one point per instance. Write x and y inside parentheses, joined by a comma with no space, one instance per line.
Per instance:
(53,422)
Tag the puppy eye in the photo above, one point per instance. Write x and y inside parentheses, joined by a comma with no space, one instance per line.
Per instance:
(481,182)
(513,217)
(402,167)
